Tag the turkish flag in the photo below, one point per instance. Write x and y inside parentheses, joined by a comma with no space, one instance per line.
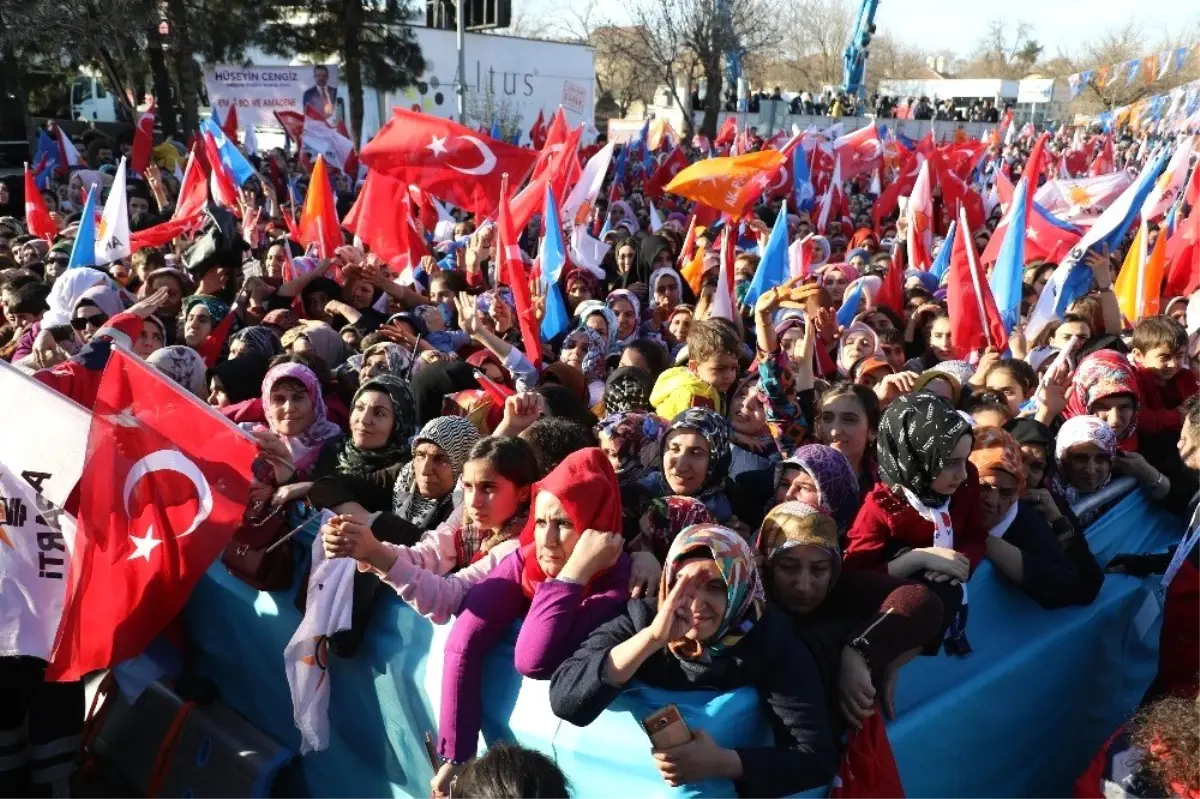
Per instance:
(727,133)
(143,141)
(164,488)
(37,218)
(292,124)
(666,172)
(512,271)
(975,323)
(1183,254)
(224,192)
(230,124)
(859,152)
(558,166)
(537,134)
(956,193)
(447,160)
(193,191)
(374,218)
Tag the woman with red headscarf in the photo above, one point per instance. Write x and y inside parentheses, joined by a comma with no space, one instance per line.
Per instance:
(569,576)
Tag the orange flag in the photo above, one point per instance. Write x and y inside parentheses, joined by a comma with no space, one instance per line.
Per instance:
(718,182)
(1139,285)
(693,272)
(319,221)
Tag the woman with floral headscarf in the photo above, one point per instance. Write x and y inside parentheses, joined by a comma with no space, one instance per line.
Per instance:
(631,441)
(821,476)
(599,317)
(587,351)
(1105,385)
(627,309)
(710,628)
(696,452)
(257,340)
(1056,570)
(860,626)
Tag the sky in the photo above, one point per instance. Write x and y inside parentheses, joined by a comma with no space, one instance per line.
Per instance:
(1058,24)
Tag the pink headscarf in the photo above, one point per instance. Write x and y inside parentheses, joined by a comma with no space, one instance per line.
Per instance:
(306,446)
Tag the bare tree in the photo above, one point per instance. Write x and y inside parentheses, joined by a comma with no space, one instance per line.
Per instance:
(1001,55)
(815,34)
(619,78)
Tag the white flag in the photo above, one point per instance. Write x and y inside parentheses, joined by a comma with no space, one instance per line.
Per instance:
(306,657)
(45,440)
(250,141)
(112,237)
(579,202)
(1171,183)
(587,252)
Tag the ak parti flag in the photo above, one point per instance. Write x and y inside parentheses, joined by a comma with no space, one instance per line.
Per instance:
(975,324)
(164,487)
(37,218)
(319,222)
(448,160)
(718,182)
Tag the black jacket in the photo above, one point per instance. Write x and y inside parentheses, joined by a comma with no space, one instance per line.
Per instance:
(770,657)
(1054,574)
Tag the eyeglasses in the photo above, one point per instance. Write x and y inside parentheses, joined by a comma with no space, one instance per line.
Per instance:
(95,320)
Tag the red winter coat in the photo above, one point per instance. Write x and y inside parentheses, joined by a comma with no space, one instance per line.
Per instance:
(886,523)
(1159,411)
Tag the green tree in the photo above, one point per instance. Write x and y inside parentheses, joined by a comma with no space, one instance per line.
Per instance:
(371,38)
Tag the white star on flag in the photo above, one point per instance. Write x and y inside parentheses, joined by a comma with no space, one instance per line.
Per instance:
(124,418)
(437,145)
(144,545)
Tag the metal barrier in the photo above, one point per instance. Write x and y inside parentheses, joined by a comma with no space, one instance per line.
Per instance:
(1111,492)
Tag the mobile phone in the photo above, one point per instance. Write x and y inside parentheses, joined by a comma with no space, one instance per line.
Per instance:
(666,728)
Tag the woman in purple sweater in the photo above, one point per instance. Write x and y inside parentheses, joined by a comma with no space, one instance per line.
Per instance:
(569,576)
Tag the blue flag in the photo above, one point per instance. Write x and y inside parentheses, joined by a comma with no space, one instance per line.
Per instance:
(516,138)
(647,159)
(1073,278)
(619,174)
(773,268)
(231,157)
(850,303)
(802,188)
(643,138)
(942,262)
(45,159)
(83,253)
(496,134)
(1010,263)
(555,319)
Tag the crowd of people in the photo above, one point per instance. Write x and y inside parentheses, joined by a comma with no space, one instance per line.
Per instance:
(775,500)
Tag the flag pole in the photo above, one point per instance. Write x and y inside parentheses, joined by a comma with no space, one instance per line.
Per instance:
(460,16)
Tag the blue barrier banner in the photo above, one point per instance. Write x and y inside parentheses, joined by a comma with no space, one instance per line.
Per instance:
(1020,716)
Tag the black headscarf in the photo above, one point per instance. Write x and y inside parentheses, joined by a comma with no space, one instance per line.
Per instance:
(1027,430)
(650,248)
(361,462)
(628,389)
(240,377)
(917,433)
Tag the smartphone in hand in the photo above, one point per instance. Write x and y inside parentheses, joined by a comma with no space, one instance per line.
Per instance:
(666,728)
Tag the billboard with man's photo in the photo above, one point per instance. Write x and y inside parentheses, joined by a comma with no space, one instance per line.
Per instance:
(258,91)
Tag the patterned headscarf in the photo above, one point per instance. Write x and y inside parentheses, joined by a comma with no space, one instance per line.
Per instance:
(1105,373)
(589,308)
(665,517)
(398,358)
(834,476)
(360,462)
(305,447)
(795,524)
(596,359)
(218,309)
(1074,432)
(456,436)
(283,318)
(995,450)
(917,433)
(631,298)
(580,275)
(183,365)
(259,340)
(636,438)
(959,370)
(844,361)
(744,597)
(484,302)
(628,389)
(716,430)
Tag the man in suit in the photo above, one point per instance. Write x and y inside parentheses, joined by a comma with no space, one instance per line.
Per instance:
(322,97)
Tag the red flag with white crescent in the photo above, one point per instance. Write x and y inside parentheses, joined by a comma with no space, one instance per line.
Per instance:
(143,141)
(164,488)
